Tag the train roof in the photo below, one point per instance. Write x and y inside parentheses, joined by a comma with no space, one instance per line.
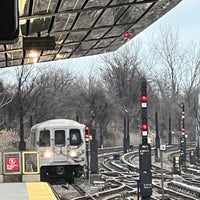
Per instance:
(57,123)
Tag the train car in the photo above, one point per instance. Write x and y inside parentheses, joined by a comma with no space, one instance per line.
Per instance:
(61,146)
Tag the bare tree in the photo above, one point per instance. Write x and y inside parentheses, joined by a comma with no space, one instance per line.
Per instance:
(121,76)
(5,96)
(51,94)
(174,75)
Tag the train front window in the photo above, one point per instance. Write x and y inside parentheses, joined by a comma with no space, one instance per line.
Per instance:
(74,137)
(44,139)
(59,138)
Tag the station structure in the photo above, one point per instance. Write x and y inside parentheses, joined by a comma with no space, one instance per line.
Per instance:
(62,29)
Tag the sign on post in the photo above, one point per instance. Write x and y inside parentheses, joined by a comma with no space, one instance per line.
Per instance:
(162,147)
(12,162)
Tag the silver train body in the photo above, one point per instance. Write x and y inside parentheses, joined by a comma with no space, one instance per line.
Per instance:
(61,146)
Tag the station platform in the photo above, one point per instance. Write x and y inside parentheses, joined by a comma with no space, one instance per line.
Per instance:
(27,191)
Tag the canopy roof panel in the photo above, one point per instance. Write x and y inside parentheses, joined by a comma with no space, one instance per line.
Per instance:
(80,27)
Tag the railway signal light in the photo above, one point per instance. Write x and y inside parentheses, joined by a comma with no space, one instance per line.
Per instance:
(143,99)
(183,129)
(144,127)
(87,135)
(144,93)
(127,36)
(183,118)
(183,138)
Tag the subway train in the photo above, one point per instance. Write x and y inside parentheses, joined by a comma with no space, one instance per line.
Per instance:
(61,147)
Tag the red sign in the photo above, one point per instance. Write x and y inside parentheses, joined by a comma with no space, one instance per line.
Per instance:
(12,164)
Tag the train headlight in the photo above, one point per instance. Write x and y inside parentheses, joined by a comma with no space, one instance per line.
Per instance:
(47,154)
(74,153)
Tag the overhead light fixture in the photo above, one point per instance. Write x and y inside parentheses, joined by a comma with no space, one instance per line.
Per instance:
(59,56)
(33,55)
(39,43)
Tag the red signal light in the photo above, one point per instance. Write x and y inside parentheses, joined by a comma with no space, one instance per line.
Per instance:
(144,127)
(144,99)
(87,128)
(183,129)
(87,136)
(126,36)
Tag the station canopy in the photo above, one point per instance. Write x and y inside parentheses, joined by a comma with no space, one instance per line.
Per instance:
(79,27)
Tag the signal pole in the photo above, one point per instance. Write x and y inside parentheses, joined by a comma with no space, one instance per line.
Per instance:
(87,139)
(101,137)
(170,131)
(183,138)
(22,143)
(145,148)
(126,140)
(157,137)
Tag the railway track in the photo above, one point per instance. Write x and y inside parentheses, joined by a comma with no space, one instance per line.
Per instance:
(115,169)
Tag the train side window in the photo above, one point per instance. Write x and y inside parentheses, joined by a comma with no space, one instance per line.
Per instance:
(44,139)
(59,138)
(74,137)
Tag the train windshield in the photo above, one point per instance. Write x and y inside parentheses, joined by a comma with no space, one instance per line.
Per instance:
(44,140)
(59,138)
(74,137)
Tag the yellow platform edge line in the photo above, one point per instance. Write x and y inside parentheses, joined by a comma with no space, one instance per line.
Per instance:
(40,191)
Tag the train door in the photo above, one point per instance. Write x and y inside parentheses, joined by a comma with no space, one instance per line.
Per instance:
(60,139)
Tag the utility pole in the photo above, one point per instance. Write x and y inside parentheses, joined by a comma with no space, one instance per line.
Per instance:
(22,143)
(93,148)
(101,137)
(126,139)
(162,149)
(157,137)
(170,131)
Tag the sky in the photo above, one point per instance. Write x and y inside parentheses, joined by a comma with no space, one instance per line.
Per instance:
(185,17)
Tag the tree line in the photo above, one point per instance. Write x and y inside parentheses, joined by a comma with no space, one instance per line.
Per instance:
(102,99)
